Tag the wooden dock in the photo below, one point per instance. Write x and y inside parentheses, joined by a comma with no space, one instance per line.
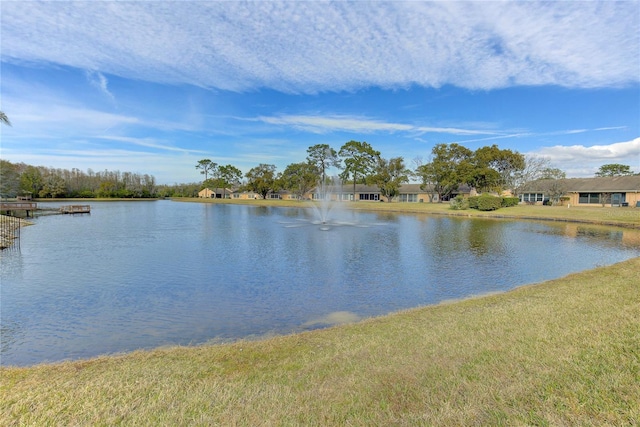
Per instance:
(32,207)
(75,209)
(10,207)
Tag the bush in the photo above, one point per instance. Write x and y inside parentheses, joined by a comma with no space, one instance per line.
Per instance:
(507,202)
(487,202)
(459,203)
(473,202)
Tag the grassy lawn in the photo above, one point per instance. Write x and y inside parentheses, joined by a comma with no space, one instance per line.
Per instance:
(563,352)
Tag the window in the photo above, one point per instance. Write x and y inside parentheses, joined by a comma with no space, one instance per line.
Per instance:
(589,198)
(532,197)
(370,196)
(408,197)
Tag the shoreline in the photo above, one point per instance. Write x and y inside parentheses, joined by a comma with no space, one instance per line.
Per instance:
(628,217)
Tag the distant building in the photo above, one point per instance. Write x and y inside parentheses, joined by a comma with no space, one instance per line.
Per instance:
(601,191)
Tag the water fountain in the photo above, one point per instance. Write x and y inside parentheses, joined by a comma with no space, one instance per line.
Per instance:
(323,205)
(328,209)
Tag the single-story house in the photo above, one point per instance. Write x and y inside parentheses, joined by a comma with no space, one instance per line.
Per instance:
(216,193)
(408,193)
(599,191)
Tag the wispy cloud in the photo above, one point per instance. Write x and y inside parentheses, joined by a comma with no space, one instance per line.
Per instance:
(311,47)
(522,134)
(99,81)
(148,142)
(343,123)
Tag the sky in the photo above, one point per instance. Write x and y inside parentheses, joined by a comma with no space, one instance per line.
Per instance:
(152,87)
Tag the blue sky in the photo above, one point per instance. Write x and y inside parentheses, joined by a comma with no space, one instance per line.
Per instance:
(153,87)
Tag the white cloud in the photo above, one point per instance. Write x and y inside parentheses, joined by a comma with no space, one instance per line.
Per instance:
(324,124)
(149,143)
(99,81)
(310,47)
(581,160)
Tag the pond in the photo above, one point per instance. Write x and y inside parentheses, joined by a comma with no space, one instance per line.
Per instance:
(135,275)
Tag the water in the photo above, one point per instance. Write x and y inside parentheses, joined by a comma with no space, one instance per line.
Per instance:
(145,274)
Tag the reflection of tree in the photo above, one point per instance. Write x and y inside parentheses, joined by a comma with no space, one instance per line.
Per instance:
(478,236)
(483,238)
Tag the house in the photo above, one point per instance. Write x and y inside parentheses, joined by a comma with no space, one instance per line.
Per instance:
(408,193)
(600,191)
(217,193)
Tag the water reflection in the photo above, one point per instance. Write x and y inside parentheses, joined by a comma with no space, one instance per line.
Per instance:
(141,275)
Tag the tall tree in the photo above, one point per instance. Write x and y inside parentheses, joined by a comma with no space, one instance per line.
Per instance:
(534,168)
(552,173)
(300,178)
(360,160)
(323,157)
(229,176)
(262,179)
(9,179)
(4,119)
(450,166)
(614,169)
(390,175)
(31,181)
(206,166)
(495,169)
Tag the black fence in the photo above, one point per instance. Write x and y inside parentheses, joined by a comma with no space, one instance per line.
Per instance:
(9,232)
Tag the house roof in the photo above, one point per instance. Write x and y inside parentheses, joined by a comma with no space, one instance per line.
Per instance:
(615,184)
(404,188)
(216,191)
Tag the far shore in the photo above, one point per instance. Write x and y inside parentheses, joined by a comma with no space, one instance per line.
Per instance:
(610,216)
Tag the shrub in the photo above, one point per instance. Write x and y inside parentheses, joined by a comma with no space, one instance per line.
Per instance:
(507,202)
(459,203)
(487,202)
(473,202)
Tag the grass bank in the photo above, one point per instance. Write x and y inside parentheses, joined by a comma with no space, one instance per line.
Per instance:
(563,352)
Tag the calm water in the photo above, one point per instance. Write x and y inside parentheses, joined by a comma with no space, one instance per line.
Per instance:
(146,274)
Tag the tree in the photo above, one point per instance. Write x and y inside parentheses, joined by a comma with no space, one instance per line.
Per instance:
(534,168)
(614,169)
(31,181)
(4,119)
(495,169)
(262,179)
(322,156)
(552,173)
(451,165)
(53,186)
(390,174)
(9,179)
(229,176)
(300,178)
(360,160)
(206,166)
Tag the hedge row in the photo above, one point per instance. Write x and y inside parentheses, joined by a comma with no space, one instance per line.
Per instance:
(487,202)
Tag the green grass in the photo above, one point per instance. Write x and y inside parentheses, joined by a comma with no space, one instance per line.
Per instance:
(563,352)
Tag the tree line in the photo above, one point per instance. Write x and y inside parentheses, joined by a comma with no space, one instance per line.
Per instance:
(488,169)
(19,179)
